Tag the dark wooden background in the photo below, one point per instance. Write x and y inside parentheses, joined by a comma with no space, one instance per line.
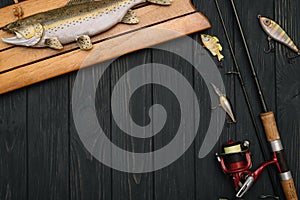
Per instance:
(41,156)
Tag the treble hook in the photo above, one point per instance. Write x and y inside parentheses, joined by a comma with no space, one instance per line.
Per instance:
(271,46)
(292,57)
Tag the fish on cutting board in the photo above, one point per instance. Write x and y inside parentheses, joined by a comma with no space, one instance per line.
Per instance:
(76,21)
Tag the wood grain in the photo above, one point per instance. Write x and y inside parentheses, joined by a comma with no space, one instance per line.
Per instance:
(30,7)
(48,163)
(207,183)
(288,87)
(171,183)
(13,146)
(16,61)
(89,179)
(256,41)
(102,51)
(131,186)
(148,15)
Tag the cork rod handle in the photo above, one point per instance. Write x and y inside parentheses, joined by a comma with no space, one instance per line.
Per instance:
(289,189)
(270,126)
(273,138)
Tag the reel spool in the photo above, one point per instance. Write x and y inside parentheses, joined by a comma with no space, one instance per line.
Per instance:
(235,161)
(235,157)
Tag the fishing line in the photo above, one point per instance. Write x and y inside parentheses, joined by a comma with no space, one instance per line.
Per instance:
(242,82)
(271,129)
(258,86)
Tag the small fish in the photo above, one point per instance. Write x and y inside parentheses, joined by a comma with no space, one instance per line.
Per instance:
(275,32)
(213,45)
(224,103)
(76,21)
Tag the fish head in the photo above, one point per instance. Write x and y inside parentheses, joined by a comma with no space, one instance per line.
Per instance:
(266,22)
(205,38)
(26,33)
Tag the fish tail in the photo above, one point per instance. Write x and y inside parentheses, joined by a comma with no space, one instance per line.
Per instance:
(220,56)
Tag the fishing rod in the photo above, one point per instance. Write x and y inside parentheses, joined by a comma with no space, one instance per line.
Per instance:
(270,127)
(247,99)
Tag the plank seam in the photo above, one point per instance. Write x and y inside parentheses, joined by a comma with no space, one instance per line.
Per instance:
(97,42)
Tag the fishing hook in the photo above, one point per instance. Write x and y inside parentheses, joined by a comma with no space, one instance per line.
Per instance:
(292,57)
(271,46)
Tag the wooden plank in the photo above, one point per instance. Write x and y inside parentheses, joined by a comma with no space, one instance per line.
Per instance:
(265,70)
(128,186)
(29,7)
(89,179)
(102,51)
(176,181)
(48,140)
(13,146)
(149,15)
(288,87)
(210,181)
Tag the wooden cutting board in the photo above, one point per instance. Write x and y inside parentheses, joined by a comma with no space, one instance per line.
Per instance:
(22,66)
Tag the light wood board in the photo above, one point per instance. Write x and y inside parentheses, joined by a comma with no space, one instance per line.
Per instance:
(22,66)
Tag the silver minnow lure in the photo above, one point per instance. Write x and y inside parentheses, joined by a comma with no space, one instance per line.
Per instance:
(224,103)
(76,21)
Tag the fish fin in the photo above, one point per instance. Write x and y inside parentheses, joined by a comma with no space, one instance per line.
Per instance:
(215,39)
(53,43)
(219,47)
(84,42)
(130,18)
(220,56)
(74,2)
(161,2)
(212,52)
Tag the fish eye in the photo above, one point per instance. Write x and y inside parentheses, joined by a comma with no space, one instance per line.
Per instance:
(267,22)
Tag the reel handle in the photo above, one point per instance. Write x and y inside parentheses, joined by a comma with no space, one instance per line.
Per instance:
(273,138)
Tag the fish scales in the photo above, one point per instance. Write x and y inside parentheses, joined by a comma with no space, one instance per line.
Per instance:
(93,15)
(78,20)
(67,25)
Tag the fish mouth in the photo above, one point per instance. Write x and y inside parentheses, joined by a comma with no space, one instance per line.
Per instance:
(258,16)
(6,29)
(18,39)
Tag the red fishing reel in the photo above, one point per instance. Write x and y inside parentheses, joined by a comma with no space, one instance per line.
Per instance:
(235,160)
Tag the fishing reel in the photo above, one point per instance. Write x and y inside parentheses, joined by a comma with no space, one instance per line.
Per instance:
(235,160)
